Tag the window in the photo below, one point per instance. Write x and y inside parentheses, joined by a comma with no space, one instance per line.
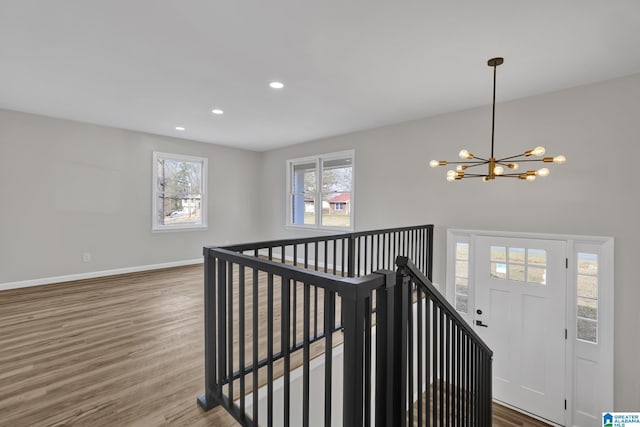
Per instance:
(525,265)
(462,277)
(587,297)
(179,192)
(320,191)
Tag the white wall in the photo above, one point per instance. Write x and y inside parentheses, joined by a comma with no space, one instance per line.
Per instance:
(597,127)
(67,188)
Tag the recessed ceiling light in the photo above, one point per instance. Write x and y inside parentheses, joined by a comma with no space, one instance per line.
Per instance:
(179,128)
(276,85)
(217,111)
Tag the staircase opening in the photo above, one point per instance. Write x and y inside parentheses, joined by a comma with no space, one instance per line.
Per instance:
(339,330)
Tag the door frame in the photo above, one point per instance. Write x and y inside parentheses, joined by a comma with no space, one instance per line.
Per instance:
(602,395)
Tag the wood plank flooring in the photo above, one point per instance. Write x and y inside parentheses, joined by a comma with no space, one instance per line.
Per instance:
(501,415)
(119,351)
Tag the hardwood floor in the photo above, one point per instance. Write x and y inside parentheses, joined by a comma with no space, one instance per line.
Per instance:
(119,351)
(506,417)
(106,352)
(501,415)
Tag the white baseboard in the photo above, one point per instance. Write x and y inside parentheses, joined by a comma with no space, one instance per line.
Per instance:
(94,274)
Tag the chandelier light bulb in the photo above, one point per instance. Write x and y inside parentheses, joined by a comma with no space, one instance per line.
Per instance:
(559,159)
(498,170)
(485,179)
(513,166)
(539,151)
(531,178)
(543,172)
(434,163)
(451,175)
(464,154)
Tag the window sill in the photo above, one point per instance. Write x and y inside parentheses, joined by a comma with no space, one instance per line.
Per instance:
(321,229)
(182,228)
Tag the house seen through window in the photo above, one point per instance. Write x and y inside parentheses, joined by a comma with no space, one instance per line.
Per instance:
(179,199)
(320,191)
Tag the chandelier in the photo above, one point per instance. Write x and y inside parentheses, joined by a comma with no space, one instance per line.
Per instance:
(504,167)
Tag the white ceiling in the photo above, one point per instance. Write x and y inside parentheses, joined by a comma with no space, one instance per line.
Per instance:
(348,65)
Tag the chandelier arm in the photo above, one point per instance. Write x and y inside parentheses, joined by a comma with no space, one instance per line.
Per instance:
(477,164)
(466,163)
(511,158)
(483,159)
(473,175)
(525,160)
(500,162)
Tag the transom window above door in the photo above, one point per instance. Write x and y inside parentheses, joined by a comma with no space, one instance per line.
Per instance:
(525,265)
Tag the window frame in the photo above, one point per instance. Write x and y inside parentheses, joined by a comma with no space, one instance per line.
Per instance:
(155,226)
(319,160)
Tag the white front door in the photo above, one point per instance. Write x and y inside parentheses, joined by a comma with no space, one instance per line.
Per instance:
(520,312)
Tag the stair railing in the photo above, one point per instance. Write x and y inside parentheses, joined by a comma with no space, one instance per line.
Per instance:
(448,366)
(341,288)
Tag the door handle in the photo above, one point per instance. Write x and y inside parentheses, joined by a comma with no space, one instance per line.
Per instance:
(479,323)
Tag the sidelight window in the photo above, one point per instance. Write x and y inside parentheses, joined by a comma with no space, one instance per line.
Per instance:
(462,277)
(587,297)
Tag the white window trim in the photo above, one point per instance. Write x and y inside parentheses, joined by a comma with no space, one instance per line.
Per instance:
(155,227)
(318,159)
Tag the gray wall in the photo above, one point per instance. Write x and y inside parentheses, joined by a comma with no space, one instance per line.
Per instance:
(67,188)
(597,127)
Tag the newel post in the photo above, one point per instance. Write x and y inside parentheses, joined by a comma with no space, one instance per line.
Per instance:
(208,401)
(353,321)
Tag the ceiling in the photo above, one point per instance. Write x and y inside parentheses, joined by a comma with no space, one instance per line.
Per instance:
(347,65)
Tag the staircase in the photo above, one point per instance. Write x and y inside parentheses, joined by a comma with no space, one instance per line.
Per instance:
(343,330)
